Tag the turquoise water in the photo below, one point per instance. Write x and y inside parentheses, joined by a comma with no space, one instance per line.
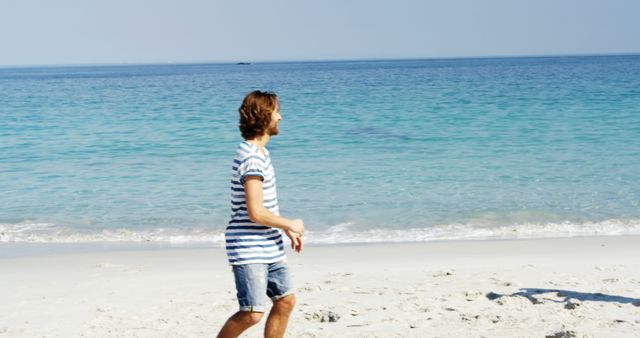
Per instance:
(368,150)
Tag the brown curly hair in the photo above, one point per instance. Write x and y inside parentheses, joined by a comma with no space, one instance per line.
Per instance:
(255,113)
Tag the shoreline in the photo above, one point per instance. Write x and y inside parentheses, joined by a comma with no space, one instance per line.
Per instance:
(501,288)
(46,237)
(12,250)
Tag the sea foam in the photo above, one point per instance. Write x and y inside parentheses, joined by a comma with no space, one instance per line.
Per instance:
(341,233)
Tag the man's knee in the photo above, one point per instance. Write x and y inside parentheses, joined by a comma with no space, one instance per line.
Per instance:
(250,318)
(286,303)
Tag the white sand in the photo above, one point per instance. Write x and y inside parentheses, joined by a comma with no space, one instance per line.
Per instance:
(589,287)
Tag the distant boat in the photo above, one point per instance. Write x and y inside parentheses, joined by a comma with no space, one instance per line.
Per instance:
(243,63)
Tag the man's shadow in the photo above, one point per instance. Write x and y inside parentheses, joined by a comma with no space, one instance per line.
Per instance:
(536,296)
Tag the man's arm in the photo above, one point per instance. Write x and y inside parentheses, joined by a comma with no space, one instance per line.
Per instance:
(294,229)
(261,215)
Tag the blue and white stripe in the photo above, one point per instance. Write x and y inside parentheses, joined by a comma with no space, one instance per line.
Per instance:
(248,242)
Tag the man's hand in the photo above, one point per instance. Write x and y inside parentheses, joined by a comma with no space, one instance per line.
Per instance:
(297,226)
(296,240)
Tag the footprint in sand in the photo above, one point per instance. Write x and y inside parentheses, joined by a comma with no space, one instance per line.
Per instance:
(444,273)
(610,280)
(502,282)
(470,296)
(468,317)
(109,265)
(341,274)
(322,316)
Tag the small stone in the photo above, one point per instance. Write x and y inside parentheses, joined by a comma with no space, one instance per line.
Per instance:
(635,303)
(493,296)
(333,317)
(572,304)
(563,334)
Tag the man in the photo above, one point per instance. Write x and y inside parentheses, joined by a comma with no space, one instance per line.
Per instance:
(254,234)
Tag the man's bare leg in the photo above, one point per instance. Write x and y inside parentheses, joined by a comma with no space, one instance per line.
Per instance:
(239,322)
(279,317)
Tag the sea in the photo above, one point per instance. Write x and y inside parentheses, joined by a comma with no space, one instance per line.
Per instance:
(368,151)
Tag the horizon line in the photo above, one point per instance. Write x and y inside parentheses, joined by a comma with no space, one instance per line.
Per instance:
(204,62)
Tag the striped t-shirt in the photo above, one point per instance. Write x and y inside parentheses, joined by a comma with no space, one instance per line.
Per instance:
(248,242)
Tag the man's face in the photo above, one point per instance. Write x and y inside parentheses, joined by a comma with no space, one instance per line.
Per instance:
(275,119)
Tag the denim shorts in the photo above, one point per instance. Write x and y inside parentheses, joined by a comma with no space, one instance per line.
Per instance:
(256,282)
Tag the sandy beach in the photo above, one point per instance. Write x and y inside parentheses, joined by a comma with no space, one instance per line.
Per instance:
(569,287)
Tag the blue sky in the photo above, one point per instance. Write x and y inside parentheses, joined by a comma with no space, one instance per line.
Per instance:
(40,32)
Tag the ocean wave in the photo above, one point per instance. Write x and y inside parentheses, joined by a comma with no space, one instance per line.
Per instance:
(27,232)
(342,233)
(469,231)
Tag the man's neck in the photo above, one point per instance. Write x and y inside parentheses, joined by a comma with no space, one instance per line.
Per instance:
(260,141)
